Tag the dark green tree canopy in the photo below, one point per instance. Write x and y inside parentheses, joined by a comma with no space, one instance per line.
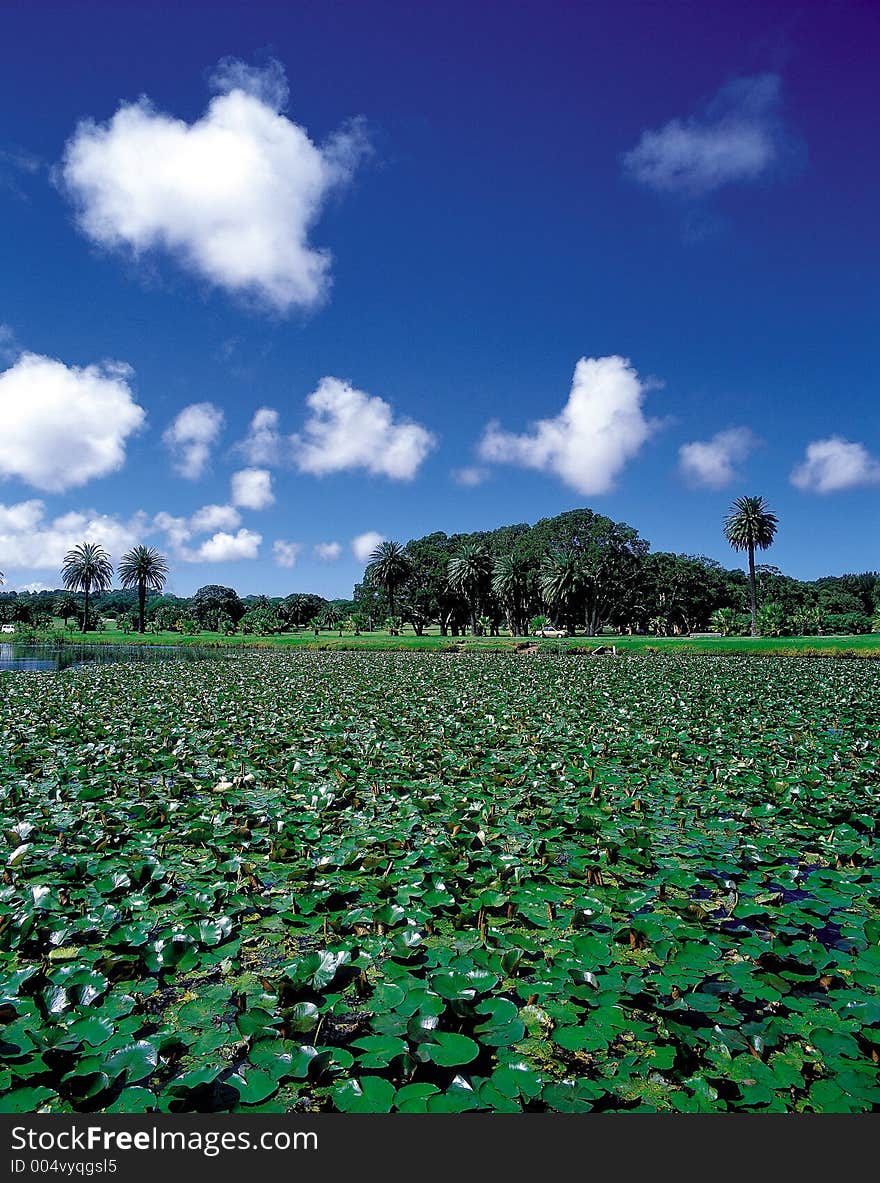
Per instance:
(214,598)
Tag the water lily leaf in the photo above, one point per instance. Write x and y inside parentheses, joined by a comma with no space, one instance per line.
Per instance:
(368,1094)
(25,1100)
(136,1061)
(377,1051)
(133,1100)
(253,1086)
(450,1050)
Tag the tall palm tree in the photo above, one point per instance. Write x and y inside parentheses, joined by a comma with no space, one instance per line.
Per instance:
(510,583)
(389,568)
(144,568)
(562,582)
(750,524)
(87,568)
(469,573)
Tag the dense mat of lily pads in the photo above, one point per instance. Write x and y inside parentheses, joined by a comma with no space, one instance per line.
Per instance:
(378,882)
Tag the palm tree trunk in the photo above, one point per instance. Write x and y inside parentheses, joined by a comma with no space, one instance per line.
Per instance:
(753,594)
(86,610)
(142,599)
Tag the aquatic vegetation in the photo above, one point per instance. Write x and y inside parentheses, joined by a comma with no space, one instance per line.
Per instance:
(377,882)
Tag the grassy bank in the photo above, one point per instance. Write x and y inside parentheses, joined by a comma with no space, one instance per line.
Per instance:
(855,646)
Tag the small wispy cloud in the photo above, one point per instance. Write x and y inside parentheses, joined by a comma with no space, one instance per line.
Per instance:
(470,476)
(16,165)
(364,545)
(738,139)
(286,553)
(327,552)
(9,347)
(834,464)
(252,488)
(712,463)
(191,436)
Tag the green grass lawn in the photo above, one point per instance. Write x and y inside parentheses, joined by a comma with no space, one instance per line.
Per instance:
(856,646)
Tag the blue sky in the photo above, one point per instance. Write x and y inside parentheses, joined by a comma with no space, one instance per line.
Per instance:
(398,229)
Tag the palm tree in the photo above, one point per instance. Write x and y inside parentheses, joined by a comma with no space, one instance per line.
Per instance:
(750,524)
(469,573)
(510,583)
(87,568)
(723,620)
(144,568)
(65,607)
(389,568)
(562,581)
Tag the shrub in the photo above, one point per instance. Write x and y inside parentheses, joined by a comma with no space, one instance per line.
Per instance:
(261,622)
(848,622)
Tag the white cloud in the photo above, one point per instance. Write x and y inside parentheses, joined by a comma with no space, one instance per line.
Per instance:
(349,429)
(471,476)
(228,548)
(214,517)
(191,436)
(286,553)
(364,545)
(737,139)
(34,587)
(327,552)
(586,445)
(30,540)
(177,531)
(834,464)
(217,520)
(233,196)
(263,443)
(712,463)
(61,426)
(252,488)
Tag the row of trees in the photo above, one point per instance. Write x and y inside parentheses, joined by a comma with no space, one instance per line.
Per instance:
(583,569)
(590,572)
(213,608)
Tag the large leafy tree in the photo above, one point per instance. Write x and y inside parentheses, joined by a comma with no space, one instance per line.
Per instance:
(87,568)
(677,593)
(299,608)
(213,599)
(750,525)
(428,594)
(610,555)
(469,574)
(144,569)
(389,568)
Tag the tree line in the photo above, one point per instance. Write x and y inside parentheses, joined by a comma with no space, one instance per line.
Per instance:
(578,571)
(583,571)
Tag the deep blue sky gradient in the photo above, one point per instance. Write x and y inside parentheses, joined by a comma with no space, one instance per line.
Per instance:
(489,242)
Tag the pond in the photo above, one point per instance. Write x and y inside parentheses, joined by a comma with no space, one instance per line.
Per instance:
(61,657)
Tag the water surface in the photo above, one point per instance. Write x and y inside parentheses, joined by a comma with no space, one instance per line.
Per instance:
(61,657)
